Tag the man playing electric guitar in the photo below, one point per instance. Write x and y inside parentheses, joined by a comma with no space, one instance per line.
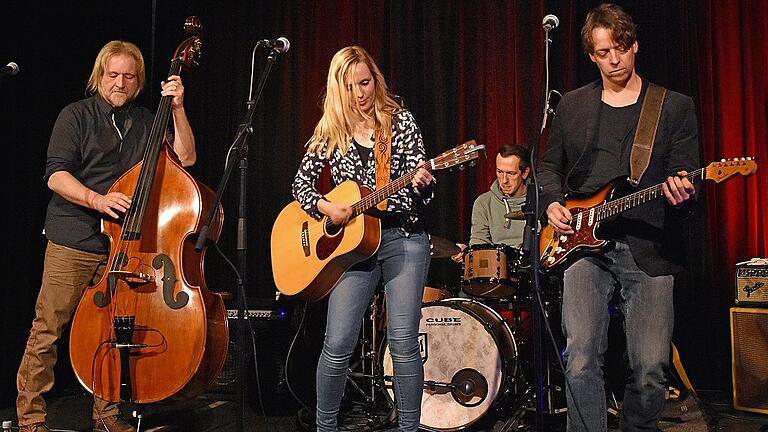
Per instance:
(590,145)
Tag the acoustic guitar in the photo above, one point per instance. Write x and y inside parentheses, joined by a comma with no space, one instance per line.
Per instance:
(587,213)
(309,256)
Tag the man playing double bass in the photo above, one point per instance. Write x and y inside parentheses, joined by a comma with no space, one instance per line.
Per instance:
(94,141)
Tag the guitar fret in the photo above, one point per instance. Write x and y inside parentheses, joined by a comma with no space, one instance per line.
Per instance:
(612,208)
(380,195)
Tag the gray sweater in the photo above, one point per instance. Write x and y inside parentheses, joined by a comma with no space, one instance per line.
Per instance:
(488,222)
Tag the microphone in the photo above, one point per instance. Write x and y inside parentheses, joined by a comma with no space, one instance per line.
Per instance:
(550,22)
(9,69)
(466,387)
(281,44)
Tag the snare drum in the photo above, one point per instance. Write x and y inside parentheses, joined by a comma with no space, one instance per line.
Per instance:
(470,358)
(489,271)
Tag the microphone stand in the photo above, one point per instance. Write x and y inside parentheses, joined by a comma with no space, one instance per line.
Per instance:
(530,244)
(238,151)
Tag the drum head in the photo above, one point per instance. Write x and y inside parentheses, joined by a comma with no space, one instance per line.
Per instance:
(464,347)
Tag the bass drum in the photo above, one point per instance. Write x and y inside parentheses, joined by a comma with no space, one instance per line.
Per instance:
(470,360)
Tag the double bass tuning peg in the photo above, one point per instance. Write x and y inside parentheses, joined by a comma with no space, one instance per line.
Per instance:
(193,25)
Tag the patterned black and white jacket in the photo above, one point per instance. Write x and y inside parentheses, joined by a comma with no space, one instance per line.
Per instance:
(407,152)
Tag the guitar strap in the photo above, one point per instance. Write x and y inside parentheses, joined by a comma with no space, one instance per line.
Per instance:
(382,153)
(650,114)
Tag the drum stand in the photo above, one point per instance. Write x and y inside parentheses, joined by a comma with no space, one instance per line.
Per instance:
(365,376)
(553,395)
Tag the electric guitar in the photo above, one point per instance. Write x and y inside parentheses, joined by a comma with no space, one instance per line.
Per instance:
(587,213)
(309,256)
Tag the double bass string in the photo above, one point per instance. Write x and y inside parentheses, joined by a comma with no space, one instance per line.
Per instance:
(132,225)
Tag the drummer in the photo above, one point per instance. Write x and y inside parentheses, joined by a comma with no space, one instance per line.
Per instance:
(497,216)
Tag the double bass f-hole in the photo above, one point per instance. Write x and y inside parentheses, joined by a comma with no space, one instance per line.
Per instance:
(169,281)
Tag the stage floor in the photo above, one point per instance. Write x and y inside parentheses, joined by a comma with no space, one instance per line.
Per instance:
(71,413)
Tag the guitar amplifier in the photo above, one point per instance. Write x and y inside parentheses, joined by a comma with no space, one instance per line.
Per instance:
(269,328)
(257,314)
(749,350)
(752,285)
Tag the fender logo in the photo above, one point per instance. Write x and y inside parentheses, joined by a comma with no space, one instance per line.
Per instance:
(750,289)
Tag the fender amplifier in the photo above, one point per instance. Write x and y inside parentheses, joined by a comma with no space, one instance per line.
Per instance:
(752,285)
(749,350)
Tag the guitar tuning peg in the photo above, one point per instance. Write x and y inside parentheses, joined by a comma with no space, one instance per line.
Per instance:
(472,163)
(722,160)
(461,167)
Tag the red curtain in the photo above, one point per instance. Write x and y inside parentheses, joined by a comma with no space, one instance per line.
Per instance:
(466,70)
(733,71)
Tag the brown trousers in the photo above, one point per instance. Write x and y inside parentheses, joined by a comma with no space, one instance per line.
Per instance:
(66,274)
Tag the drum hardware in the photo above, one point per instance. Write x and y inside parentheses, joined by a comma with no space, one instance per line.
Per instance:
(433,386)
(465,385)
(378,411)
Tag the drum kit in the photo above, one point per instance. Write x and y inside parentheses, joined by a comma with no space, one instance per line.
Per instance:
(475,342)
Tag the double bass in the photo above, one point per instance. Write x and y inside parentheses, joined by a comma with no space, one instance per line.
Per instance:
(150,328)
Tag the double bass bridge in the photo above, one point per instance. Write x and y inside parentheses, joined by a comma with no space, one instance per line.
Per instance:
(138,278)
(132,278)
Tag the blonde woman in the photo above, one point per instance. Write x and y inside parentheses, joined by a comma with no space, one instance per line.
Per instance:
(357,105)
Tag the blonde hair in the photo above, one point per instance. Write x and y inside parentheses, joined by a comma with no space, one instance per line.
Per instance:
(340,111)
(100,66)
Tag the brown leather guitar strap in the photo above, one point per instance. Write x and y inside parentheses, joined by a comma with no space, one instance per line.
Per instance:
(382,152)
(645,134)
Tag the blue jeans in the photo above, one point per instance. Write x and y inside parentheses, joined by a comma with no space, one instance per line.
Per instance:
(401,263)
(647,304)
